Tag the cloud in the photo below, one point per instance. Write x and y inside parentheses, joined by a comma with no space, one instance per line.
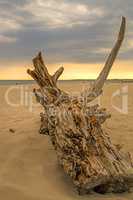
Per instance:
(8,25)
(55,14)
(5,39)
(79,31)
(9,20)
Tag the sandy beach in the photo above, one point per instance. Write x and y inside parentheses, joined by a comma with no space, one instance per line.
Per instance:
(28,165)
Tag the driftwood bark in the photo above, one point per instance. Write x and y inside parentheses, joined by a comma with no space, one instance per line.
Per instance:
(84,150)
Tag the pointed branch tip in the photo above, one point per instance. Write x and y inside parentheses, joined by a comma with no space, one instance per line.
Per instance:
(57,74)
(96,89)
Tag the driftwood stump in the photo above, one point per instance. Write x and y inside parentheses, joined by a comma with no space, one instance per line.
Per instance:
(84,150)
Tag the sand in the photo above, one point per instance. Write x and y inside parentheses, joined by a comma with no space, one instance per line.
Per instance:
(28,166)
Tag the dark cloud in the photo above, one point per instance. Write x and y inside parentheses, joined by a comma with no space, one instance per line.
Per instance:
(83,34)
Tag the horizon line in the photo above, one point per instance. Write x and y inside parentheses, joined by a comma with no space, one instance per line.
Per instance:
(68,79)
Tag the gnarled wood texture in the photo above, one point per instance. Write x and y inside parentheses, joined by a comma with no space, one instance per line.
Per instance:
(84,150)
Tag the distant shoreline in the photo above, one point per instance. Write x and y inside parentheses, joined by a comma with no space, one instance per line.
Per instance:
(22,82)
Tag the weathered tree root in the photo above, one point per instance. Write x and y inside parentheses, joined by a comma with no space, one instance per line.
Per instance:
(84,150)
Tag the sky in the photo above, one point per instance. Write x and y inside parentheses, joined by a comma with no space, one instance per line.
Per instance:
(75,34)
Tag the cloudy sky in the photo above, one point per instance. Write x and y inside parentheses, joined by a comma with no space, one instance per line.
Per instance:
(77,34)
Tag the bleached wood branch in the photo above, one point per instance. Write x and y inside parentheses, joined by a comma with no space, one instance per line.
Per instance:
(96,88)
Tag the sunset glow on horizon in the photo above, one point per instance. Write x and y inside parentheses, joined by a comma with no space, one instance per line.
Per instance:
(72,71)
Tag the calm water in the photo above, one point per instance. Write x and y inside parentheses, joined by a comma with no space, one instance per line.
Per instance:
(22,82)
(16,82)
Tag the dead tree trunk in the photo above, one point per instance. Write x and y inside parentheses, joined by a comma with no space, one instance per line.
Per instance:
(84,150)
